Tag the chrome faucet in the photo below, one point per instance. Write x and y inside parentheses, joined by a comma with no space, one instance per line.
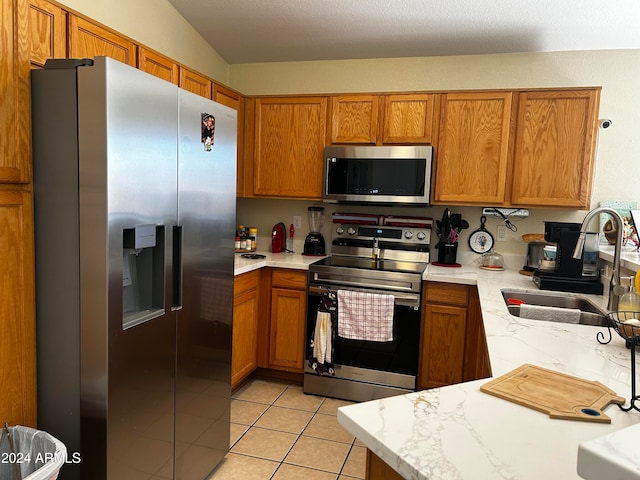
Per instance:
(375,249)
(615,273)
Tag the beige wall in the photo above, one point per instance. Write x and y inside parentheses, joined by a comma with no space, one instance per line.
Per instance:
(156,24)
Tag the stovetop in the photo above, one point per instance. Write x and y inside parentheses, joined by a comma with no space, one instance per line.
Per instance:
(363,263)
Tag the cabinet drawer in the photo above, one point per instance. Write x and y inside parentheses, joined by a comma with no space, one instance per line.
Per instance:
(285,278)
(245,282)
(447,293)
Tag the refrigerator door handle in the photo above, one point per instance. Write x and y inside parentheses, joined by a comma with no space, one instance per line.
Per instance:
(176,293)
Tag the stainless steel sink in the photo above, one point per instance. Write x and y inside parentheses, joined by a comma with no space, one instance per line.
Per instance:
(591,314)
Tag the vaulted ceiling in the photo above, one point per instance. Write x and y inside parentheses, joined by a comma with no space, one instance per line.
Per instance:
(251,31)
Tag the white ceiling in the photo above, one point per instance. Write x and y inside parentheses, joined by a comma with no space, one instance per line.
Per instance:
(250,31)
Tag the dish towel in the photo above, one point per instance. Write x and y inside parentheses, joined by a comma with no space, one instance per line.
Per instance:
(322,339)
(365,316)
(550,314)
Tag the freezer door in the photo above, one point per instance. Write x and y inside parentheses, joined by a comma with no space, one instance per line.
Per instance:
(206,216)
(127,124)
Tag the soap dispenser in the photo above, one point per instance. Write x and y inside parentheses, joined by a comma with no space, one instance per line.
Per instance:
(629,301)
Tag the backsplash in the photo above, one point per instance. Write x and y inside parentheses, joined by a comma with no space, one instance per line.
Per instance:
(265,213)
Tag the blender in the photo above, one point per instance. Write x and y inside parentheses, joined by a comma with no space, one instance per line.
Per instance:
(314,242)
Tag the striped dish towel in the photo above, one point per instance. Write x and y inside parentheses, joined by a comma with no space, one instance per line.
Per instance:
(365,316)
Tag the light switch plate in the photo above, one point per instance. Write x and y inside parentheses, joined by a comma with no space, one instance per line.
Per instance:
(297,222)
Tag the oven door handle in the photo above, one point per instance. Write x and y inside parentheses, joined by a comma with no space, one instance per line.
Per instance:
(405,299)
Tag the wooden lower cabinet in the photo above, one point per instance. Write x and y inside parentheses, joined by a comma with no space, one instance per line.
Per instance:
(246,308)
(377,469)
(287,322)
(17,310)
(453,345)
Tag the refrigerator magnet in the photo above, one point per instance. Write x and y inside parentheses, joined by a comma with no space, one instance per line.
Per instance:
(208,130)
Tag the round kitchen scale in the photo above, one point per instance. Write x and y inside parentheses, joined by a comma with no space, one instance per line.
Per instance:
(481,241)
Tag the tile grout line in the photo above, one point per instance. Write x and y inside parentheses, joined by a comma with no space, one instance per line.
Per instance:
(297,438)
(299,435)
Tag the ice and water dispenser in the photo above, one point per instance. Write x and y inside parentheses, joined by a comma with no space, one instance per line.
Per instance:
(143,267)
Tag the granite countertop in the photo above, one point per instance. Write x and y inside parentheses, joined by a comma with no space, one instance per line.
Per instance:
(458,432)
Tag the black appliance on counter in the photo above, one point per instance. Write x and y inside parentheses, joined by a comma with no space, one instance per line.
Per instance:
(314,242)
(380,255)
(568,275)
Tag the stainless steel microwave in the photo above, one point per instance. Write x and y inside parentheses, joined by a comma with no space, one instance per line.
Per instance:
(389,175)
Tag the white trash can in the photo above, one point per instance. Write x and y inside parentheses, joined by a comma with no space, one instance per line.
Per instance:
(30,454)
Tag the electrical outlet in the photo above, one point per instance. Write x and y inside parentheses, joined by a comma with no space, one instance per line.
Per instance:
(297,222)
(502,233)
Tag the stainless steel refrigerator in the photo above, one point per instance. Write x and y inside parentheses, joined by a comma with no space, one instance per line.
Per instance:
(134,185)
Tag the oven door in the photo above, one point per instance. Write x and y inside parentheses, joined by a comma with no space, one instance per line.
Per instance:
(391,364)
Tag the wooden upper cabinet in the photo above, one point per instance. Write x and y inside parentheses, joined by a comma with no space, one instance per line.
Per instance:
(195,83)
(226,96)
(232,99)
(289,146)
(354,119)
(47,32)
(554,148)
(472,150)
(88,40)
(408,118)
(158,65)
(15,99)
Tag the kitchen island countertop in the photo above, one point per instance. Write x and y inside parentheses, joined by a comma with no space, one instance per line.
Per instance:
(458,432)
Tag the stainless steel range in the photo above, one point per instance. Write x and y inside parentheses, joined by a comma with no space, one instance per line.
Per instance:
(380,255)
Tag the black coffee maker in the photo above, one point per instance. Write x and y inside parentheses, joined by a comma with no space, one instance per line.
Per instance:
(569,274)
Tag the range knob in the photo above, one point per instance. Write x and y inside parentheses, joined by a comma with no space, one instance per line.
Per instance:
(351,231)
(408,234)
(340,230)
(421,236)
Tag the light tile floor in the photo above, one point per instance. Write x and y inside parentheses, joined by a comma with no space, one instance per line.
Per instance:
(279,433)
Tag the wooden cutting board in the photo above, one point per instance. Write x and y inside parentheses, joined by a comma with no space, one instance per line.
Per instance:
(557,394)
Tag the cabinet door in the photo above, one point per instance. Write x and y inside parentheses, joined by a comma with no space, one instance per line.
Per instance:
(195,83)
(476,354)
(354,119)
(408,118)
(472,151)
(443,344)
(244,358)
(88,40)
(286,346)
(15,96)
(158,65)
(234,100)
(554,150)
(377,469)
(17,310)
(47,32)
(289,146)
(226,96)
